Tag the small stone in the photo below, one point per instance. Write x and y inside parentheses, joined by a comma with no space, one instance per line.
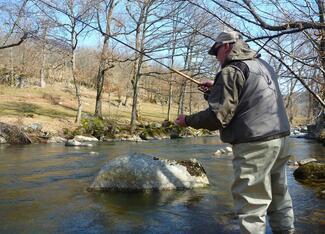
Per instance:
(2,140)
(228,149)
(156,125)
(292,163)
(56,139)
(225,150)
(73,142)
(35,126)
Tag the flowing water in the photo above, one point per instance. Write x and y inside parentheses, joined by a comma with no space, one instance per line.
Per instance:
(43,190)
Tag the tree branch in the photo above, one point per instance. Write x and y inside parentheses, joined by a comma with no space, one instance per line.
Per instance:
(23,38)
(289,25)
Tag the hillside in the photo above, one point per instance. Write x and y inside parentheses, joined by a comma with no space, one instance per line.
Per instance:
(54,107)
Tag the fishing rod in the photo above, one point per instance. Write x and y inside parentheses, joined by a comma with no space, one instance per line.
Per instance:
(121,42)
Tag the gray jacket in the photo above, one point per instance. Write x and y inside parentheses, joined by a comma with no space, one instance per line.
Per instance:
(245,102)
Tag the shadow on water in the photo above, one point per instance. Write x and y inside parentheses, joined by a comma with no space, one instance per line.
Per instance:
(156,212)
(43,190)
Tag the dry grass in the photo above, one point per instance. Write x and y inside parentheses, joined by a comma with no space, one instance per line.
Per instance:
(55,107)
(300,120)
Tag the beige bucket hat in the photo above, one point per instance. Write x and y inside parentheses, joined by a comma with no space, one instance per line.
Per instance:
(223,38)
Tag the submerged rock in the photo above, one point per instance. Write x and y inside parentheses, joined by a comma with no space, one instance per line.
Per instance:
(226,150)
(143,172)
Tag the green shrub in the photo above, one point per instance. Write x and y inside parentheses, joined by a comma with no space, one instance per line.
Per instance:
(97,127)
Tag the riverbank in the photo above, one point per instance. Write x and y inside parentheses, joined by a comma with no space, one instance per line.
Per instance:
(46,114)
(55,107)
(95,129)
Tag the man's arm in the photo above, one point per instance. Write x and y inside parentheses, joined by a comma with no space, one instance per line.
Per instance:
(223,100)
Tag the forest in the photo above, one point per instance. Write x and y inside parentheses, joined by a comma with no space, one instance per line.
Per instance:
(127,50)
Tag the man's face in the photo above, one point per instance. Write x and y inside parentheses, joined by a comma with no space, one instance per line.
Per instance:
(220,55)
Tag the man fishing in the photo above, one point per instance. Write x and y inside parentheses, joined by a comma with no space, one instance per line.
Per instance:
(246,106)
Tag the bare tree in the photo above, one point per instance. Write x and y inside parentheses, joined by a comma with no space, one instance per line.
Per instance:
(16,31)
(304,19)
(145,15)
(173,49)
(45,26)
(74,21)
(104,63)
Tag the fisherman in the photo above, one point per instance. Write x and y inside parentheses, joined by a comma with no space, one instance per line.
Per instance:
(246,106)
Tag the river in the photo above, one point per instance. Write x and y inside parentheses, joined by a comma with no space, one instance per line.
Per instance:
(43,190)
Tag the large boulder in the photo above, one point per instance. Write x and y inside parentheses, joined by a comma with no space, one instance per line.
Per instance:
(317,130)
(138,172)
(310,172)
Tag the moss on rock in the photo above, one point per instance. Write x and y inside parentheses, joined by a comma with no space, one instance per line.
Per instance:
(313,172)
(193,167)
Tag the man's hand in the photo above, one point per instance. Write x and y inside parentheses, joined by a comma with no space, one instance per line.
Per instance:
(206,85)
(180,121)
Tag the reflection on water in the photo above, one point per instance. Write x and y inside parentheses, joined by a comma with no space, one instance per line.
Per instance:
(43,189)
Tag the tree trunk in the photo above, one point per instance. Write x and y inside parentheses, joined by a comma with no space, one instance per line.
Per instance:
(181,98)
(170,95)
(135,81)
(189,68)
(190,99)
(12,78)
(99,89)
(42,82)
(322,45)
(187,65)
(103,64)
(78,95)
(139,45)
(74,76)
(170,81)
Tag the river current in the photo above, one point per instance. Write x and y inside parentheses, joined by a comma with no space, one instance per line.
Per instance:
(43,190)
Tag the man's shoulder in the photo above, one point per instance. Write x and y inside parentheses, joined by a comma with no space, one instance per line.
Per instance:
(238,65)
